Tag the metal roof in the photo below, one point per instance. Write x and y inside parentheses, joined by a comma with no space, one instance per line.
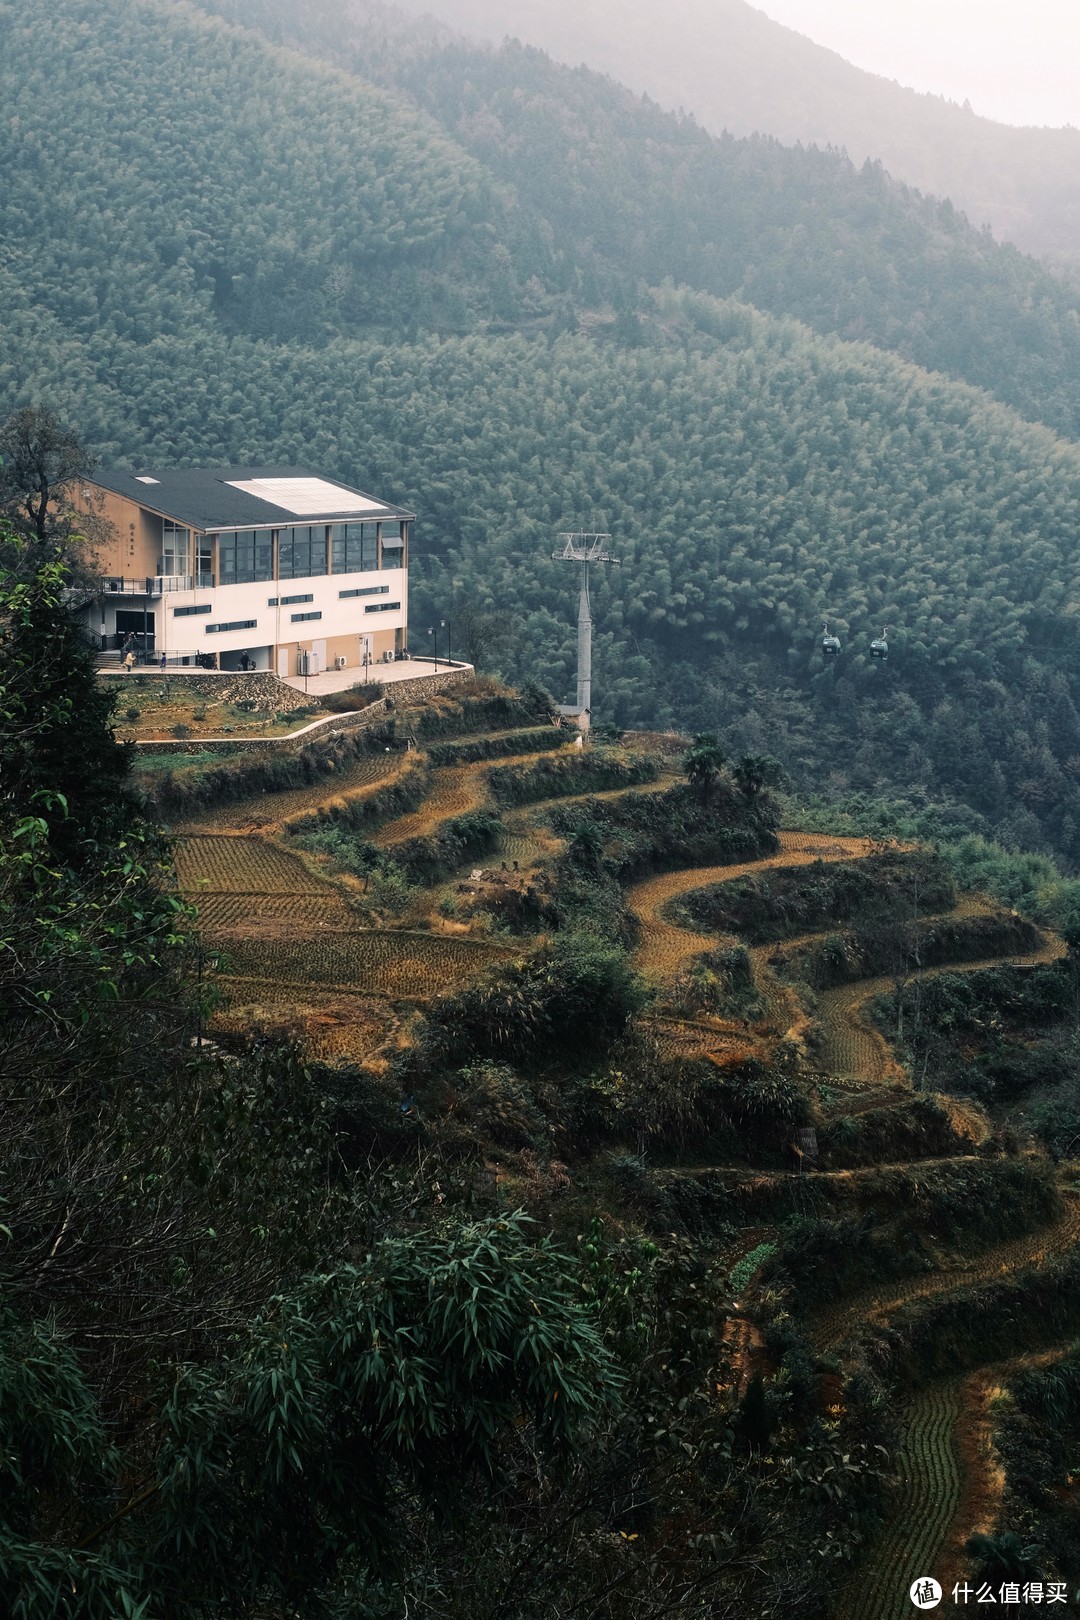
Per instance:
(243,497)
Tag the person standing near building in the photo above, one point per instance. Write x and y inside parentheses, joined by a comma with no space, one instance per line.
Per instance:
(129,663)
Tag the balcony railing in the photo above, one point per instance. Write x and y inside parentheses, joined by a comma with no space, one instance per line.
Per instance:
(156,584)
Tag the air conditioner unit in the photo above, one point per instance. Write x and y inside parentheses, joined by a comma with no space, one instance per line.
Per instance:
(341,661)
(388,657)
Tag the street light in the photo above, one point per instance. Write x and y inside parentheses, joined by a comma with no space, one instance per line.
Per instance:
(445,624)
(436,645)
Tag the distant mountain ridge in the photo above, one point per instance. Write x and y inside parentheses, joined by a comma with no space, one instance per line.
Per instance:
(748,74)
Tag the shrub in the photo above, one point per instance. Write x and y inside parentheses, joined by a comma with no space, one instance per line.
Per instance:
(571,999)
(133,714)
(181,730)
(352,698)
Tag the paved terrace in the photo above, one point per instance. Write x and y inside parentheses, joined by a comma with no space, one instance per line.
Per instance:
(329,680)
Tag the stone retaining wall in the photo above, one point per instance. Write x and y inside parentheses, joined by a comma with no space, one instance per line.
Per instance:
(399,695)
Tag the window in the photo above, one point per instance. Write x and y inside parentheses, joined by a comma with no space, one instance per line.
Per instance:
(245,556)
(354,547)
(366,590)
(175,548)
(302,552)
(186,612)
(393,546)
(237,624)
(296,617)
(286,600)
(381,607)
(204,562)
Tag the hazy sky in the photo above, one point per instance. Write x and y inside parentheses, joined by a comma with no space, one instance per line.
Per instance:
(1015,60)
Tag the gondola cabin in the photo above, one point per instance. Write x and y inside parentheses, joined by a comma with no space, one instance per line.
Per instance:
(879,647)
(830,645)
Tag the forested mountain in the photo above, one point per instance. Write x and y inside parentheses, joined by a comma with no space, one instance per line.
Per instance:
(244,255)
(618,193)
(737,70)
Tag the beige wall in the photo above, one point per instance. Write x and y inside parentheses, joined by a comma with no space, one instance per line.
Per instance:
(134,546)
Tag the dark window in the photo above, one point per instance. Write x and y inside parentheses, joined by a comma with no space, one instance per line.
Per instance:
(366,590)
(296,617)
(186,612)
(381,607)
(286,601)
(354,547)
(393,546)
(302,552)
(237,624)
(245,556)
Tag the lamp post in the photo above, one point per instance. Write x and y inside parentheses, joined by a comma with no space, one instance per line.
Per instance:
(445,624)
(435,641)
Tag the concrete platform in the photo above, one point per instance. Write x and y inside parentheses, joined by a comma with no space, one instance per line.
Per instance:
(337,680)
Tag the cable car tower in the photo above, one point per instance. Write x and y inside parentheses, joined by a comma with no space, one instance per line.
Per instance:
(584,549)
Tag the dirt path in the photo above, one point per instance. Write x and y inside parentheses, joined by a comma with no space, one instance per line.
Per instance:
(666,947)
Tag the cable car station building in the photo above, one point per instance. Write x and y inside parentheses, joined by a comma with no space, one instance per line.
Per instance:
(271,568)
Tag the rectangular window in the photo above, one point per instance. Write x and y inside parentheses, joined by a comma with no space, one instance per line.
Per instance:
(296,617)
(381,607)
(237,624)
(354,547)
(245,557)
(366,590)
(302,552)
(186,612)
(204,563)
(286,601)
(175,548)
(392,544)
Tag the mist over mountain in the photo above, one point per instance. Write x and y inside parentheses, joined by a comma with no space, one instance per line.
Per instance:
(737,70)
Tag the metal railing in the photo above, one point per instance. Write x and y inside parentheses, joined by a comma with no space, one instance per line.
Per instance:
(155,584)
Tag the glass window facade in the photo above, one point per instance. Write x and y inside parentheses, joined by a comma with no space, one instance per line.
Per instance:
(354,547)
(244,556)
(175,548)
(302,552)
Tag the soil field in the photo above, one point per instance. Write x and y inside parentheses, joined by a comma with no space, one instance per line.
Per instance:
(383,962)
(332,1026)
(230,865)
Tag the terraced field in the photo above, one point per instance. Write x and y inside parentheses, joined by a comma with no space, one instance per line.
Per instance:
(396,963)
(666,948)
(217,864)
(454,791)
(849,1045)
(832,1327)
(352,780)
(922,1508)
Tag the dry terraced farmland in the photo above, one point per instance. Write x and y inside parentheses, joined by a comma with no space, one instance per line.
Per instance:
(213,864)
(665,947)
(340,784)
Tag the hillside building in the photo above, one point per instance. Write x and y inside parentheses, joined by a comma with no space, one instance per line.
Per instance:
(271,568)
